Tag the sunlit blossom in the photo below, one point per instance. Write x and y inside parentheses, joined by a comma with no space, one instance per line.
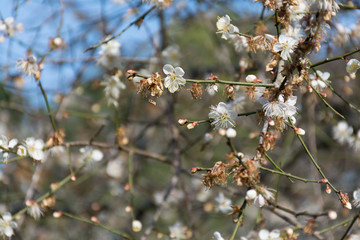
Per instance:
(286,46)
(174,78)
(35,148)
(222,116)
(7,225)
(225,27)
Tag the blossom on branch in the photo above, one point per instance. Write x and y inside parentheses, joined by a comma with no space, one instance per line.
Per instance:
(222,116)
(225,27)
(7,225)
(28,66)
(174,78)
(352,66)
(286,46)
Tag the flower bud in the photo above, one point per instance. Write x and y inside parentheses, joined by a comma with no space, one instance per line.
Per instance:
(136,226)
(182,121)
(348,205)
(222,132)
(230,133)
(57,214)
(332,214)
(271,122)
(251,194)
(328,189)
(94,219)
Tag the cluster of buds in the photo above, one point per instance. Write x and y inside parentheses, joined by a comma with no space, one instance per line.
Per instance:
(192,125)
(130,74)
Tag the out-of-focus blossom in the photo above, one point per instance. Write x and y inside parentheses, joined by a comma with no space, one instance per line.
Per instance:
(281,108)
(212,89)
(231,133)
(136,226)
(28,66)
(223,203)
(9,27)
(225,27)
(265,234)
(356,196)
(352,66)
(174,78)
(91,155)
(7,225)
(286,46)
(109,54)
(35,148)
(342,132)
(178,231)
(34,210)
(6,146)
(171,54)
(159,3)
(113,86)
(218,236)
(222,116)
(319,80)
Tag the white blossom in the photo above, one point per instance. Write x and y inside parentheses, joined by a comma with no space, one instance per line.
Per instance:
(237,104)
(259,201)
(281,108)
(174,78)
(286,46)
(223,203)
(34,210)
(178,231)
(109,54)
(264,234)
(231,133)
(171,54)
(218,236)
(295,32)
(91,155)
(28,66)
(35,148)
(342,132)
(356,196)
(222,116)
(136,225)
(7,225)
(9,27)
(352,66)
(113,87)
(225,27)
(297,12)
(319,80)
(251,195)
(6,146)
(212,89)
(21,151)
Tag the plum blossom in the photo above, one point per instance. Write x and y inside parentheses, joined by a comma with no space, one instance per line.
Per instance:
(34,210)
(342,132)
(225,27)
(6,146)
(319,80)
(9,27)
(171,54)
(109,54)
(178,231)
(265,234)
(352,66)
(281,108)
(113,87)
(174,78)
(28,66)
(7,225)
(136,225)
(356,196)
(286,46)
(35,148)
(224,203)
(222,116)
(91,155)
(218,236)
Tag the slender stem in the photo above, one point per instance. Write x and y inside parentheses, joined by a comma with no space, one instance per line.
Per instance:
(289,175)
(247,84)
(350,226)
(348,7)
(136,21)
(124,235)
(48,106)
(239,220)
(276,166)
(69,160)
(324,101)
(277,24)
(131,183)
(334,58)
(50,192)
(315,163)
(336,225)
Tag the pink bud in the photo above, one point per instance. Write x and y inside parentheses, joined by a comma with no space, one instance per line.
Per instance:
(182,121)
